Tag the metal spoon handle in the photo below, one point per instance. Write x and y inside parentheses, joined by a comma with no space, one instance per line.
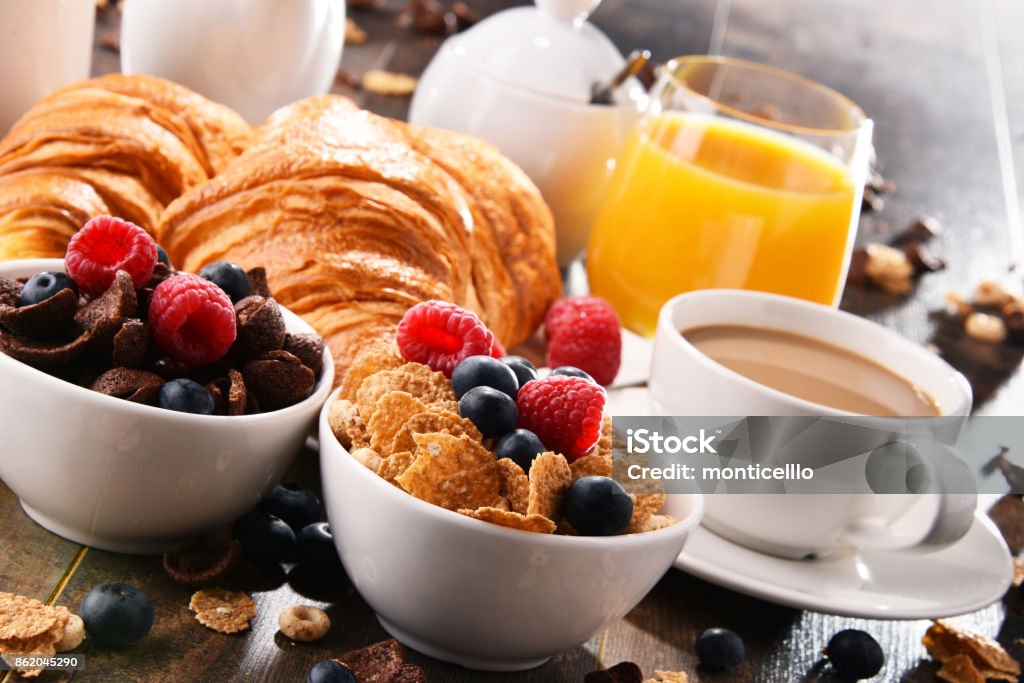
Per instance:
(637,60)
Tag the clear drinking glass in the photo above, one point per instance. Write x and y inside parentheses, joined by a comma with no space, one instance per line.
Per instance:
(738,176)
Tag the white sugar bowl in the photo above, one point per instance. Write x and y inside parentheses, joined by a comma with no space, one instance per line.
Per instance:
(522,79)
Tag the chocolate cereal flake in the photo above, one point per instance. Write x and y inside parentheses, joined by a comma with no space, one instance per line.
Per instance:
(308,348)
(117,302)
(131,345)
(52,318)
(258,282)
(40,354)
(137,386)
(202,564)
(623,672)
(376,663)
(260,327)
(278,379)
(10,292)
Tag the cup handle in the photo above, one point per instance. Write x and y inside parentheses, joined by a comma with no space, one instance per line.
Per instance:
(954,486)
(952,520)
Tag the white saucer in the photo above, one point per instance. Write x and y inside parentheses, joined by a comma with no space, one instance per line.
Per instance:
(971,574)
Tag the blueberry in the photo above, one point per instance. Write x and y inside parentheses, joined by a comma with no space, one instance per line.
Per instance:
(42,286)
(316,552)
(855,654)
(524,369)
(493,412)
(229,277)
(597,506)
(331,672)
(572,372)
(719,648)
(292,503)
(265,539)
(116,614)
(185,396)
(521,446)
(162,257)
(484,371)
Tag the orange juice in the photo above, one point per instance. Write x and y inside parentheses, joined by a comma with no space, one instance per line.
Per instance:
(702,202)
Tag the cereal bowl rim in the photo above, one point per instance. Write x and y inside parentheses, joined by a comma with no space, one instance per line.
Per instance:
(9,364)
(445,516)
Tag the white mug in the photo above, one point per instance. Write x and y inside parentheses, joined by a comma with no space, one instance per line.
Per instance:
(44,44)
(254,56)
(686,382)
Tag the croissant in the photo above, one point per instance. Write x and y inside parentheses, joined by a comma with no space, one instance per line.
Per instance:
(358,217)
(125,145)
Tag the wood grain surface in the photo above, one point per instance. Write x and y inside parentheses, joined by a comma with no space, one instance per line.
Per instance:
(944,82)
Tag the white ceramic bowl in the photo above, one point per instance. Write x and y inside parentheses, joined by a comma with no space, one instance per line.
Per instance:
(133,478)
(477,594)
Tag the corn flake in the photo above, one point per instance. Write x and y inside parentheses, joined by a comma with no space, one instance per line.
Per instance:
(393,410)
(395,465)
(512,520)
(388,83)
(432,422)
(644,507)
(515,485)
(344,422)
(593,465)
(550,476)
(959,669)
(668,677)
(414,378)
(222,610)
(453,472)
(381,356)
(945,642)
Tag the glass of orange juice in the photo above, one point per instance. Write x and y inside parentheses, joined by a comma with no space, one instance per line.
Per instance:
(738,176)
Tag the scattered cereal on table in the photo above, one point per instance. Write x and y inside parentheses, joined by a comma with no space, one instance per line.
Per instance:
(389,83)
(944,642)
(304,623)
(27,626)
(222,610)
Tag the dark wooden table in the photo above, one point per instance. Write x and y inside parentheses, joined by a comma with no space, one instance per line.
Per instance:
(944,81)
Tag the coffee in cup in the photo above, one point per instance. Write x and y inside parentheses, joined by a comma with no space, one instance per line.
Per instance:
(812,369)
(743,353)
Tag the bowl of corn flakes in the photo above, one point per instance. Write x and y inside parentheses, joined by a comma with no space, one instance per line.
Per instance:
(469,557)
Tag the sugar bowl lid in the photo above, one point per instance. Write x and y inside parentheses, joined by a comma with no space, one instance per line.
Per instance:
(551,48)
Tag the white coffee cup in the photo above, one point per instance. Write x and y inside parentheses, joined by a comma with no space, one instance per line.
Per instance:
(254,56)
(44,44)
(686,382)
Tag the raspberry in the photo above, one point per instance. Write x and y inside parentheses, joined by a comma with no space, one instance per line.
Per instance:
(583,331)
(497,350)
(441,334)
(565,412)
(104,246)
(192,319)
